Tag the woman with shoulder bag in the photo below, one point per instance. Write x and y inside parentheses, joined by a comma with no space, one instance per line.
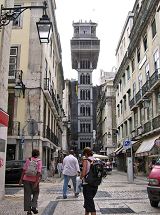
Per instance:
(89,191)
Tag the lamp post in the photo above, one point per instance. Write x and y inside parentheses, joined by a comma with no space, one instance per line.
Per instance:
(44,26)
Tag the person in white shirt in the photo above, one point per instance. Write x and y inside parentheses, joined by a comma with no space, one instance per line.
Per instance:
(70,171)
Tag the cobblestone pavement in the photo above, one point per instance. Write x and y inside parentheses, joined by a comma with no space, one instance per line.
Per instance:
(115,196)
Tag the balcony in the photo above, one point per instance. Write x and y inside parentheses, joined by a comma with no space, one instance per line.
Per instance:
(147,127)
(138,96)
(14,128)
(132,103)
(155,79)
(156,122)
(48,91)
(48,133)
(146,88)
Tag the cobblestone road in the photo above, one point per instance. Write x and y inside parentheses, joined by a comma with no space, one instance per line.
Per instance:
(115,196)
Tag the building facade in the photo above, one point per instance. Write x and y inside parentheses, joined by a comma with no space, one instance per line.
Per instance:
(137,82)
(35,116)
(106,115)
(85,48)
(5,36)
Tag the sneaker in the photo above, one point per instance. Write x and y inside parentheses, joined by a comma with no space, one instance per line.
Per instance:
(76,195)
(29,213)
(64,197)
(34,210)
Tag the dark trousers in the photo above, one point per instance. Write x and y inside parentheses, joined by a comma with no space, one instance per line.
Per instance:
(30,195)
(89,193)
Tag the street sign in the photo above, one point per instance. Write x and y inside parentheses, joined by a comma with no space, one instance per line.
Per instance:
(157,142)
(127,144)
(32,127)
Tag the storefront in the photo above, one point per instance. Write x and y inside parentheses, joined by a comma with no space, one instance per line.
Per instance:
(145,153)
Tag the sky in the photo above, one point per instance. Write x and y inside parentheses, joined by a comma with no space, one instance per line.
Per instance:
(110,15)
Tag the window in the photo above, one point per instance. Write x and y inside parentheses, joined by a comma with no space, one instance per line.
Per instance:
(140,81)
(118,110)
(134,89)
(125,102)
(153,26)
(17,21)
(156,60)
(128,73)
(138,55)
(135,119)
(124,79)
(147,72)
(130,124)
(121,105)
(120,86)
(133,64)
(129,95)
(145,42)
(13,60)
(158,103)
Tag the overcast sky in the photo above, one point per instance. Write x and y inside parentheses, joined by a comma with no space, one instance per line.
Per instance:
(110,15)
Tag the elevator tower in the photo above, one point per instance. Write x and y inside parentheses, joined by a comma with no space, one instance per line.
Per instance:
(85,47)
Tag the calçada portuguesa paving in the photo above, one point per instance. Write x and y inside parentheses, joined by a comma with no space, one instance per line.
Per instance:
(115,196)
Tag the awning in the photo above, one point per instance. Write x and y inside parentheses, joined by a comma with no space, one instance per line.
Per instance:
(146,147)
(118,150)
(4,118)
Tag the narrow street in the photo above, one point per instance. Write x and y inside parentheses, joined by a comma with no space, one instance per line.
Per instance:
(115,196)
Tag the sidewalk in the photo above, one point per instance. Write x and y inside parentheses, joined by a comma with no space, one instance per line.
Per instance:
(115,196)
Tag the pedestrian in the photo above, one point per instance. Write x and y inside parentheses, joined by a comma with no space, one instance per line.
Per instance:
(59,167)
(30,178)
(89,191)
(52,166)
(70,171)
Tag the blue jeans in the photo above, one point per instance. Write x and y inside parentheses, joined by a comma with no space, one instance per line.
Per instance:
(65,184)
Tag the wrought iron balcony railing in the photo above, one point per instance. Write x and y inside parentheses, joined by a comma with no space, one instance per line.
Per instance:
(154,78)
(145,88)
(14,128)
(156,122)
(147,127)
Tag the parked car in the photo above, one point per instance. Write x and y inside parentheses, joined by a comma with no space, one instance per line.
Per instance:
(13,171)
(153,187)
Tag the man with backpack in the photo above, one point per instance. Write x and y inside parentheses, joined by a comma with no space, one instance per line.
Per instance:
(90,183)
(30,178)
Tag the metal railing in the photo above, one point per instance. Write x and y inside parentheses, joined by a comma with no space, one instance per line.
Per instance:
(14,128)
(156,122)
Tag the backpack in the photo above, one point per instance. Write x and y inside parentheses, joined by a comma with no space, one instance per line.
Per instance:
(96,173)
(32,167)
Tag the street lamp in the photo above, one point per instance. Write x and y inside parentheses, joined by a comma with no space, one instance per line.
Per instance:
(44,26)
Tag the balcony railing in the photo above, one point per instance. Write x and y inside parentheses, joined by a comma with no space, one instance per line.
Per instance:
(147,127)
(156,122)
(153,79)
(14,128)
(132,102)
(47,86)
(138,96)
(145,88)
(48,133)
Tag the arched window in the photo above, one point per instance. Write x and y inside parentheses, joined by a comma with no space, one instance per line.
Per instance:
(83,79)
(88,79)
(88,111)
(81,94)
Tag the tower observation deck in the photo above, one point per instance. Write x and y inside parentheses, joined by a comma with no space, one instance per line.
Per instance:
(85,47)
